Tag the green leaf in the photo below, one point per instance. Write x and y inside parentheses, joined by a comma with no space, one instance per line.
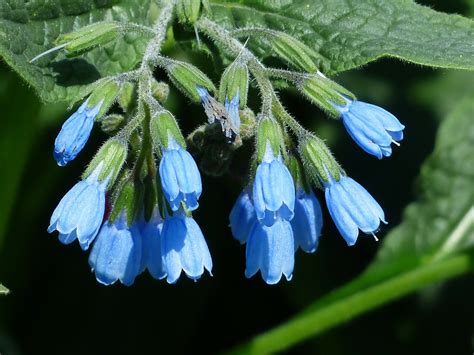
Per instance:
(434,242)
(348,34)
(28,28)
(4,290)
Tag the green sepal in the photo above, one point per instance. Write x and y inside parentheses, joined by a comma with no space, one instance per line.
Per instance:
(297,172)
(235,80)
(106,94)
(128,199)
(110,124)
(150,198)
(248,123)
(160,90)
(163,126)
(318,161)
(293,51)
(112,156)
(269,132)
(323,91)
(88,37)
(127,96)
(188,11)
(186,77)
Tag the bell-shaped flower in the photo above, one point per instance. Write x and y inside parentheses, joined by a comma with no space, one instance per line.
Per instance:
(80,212)
(116,253)
(273,190)
(180,177)
(271,250)
(151,252)
(242,217)
(183,248)
(372,128)
(74,133)
(308,221)
(352,208)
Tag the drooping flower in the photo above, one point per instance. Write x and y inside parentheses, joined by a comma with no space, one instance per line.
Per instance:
(308,221)
(80,212)
(242,217)
(372,128)
(180,177)
(151,252)
(116,253)
(271,250)
(352,208)
(74,133)
(183,248)
(273,190)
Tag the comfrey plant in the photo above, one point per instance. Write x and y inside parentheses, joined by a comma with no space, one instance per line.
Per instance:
(134,204)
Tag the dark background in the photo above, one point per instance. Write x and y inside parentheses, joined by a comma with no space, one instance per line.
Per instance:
(56,306)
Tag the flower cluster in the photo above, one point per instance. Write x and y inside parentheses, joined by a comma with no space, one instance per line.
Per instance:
(134,204)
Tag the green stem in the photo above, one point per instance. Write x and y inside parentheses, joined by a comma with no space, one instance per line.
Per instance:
(309,324)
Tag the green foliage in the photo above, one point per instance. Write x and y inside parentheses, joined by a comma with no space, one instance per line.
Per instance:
(30,28)
(434,242)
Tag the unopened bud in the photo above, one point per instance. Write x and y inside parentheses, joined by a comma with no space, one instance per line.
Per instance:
(187,78)
(128,199)
(110,124)
(294,51)
(127,96)
(188,10)
(160,90)
(88,37)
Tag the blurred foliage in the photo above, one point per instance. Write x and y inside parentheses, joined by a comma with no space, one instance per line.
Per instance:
(56,306)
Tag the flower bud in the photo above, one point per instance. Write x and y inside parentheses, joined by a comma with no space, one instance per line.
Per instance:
(127,96)
(162,126)
(318,161)
(160,90)
(188,10)
(88,37)
(112,156)
(293,51)
(110,124)
(324,92)
(186,77)
(105,93)
(247,123)
(235,81)
(269,132)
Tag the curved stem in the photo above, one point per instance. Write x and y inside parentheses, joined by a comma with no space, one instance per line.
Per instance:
(316,321)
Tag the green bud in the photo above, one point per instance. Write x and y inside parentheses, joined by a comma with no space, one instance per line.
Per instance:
(247,123)
(297,172)
(162,127)
(128,199)
(293,51)
(88,37)
(105,93)
(110,124)
(127,96)
(269,132)
(112,156)
(188,10)
(160,90)
(235,80)
(323,91)
(318,160)
(186,77)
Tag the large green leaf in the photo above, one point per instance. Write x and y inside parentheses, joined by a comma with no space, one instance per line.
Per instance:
(434,242)
(350,33)
(28,28)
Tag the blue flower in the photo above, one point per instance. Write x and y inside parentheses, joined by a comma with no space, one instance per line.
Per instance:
(271,250)
(352,208)
(308,221)
(151,253)
(180,177)
(242,217)
(371,127)
(273,190)
(232,108)
(74,133)
(183,248)
(80,212)
(116,253)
